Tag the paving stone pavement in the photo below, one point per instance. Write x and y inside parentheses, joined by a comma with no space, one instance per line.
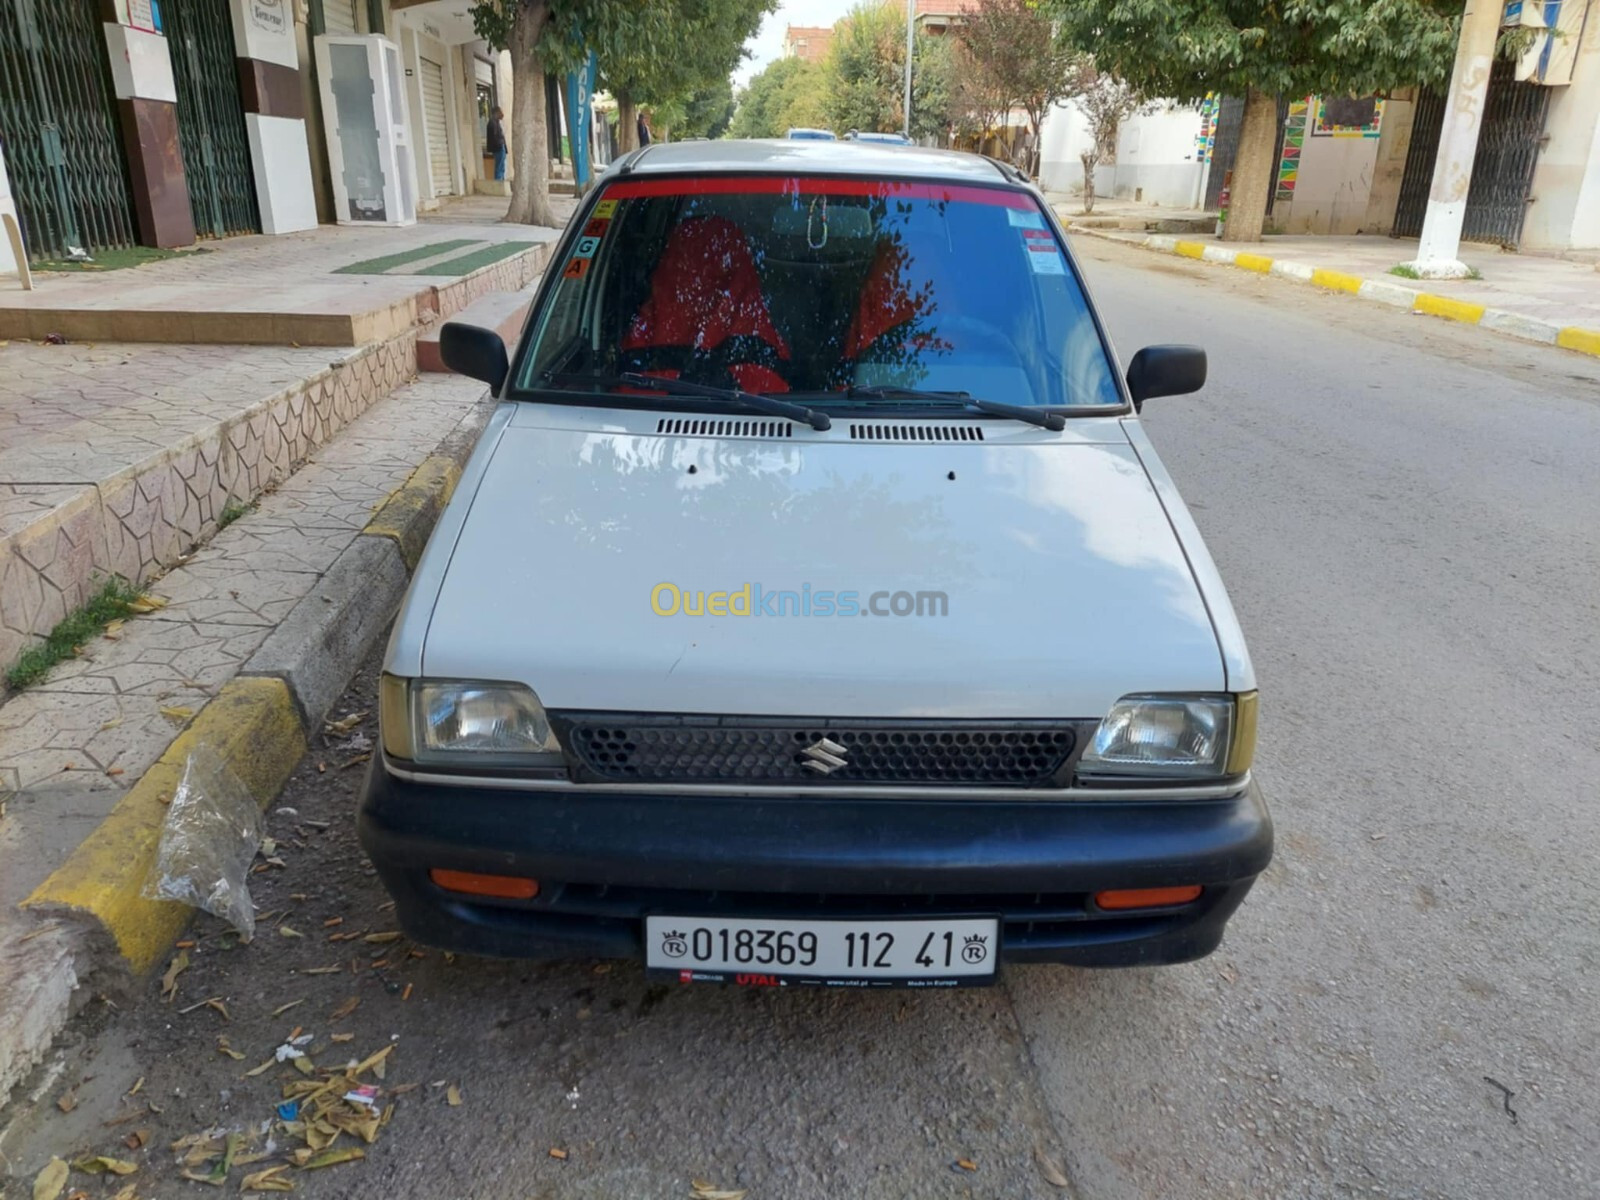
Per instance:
(71,745)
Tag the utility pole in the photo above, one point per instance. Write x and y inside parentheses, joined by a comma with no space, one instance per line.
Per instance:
(1458,143)
(911,38)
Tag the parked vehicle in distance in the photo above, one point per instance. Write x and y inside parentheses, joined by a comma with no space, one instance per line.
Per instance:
(811,135)
(814,608)
(885,139)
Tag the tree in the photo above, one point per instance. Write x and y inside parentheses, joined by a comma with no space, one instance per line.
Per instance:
(787,93)
(1021,59)
(708,111)
(1104,101)
(686,45)
(866,74)
(1186,48)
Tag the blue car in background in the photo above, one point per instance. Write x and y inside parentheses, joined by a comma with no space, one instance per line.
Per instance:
(883,139)
(812,135)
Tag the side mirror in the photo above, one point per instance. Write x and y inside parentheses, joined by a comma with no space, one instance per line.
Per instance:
(479,353)
(1160,371)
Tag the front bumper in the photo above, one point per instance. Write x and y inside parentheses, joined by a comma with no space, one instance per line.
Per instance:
(605,859)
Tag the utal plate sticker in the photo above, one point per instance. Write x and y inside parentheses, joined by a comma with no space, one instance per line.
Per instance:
(759,951)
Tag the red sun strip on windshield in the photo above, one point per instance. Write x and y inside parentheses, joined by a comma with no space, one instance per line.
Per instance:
(724,185)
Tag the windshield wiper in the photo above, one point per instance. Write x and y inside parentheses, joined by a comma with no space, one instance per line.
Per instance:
(1019,412)
(752,401)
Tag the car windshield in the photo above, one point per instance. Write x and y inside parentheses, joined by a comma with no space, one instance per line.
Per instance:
(846,292)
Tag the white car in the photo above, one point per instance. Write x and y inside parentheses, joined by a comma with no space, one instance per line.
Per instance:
(814,609)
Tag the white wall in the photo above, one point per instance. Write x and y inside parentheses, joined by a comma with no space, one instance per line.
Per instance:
(1333,187)
(1565,214)
(1156,158)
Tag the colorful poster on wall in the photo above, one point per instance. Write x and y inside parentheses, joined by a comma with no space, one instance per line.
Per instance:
(1294,139)
(1347,116)
(1206,140)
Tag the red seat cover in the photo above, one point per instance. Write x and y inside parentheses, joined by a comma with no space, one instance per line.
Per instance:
(705,291)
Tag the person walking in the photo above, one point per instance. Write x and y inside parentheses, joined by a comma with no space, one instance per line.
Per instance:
(644,127)
(494,141)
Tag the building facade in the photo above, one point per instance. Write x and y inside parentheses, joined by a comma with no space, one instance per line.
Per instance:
(160,122)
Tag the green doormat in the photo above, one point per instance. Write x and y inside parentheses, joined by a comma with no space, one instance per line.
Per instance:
(388,262)
(477,258)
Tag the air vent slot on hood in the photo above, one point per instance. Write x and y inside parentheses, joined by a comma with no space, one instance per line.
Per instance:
(916,433)
(702,427)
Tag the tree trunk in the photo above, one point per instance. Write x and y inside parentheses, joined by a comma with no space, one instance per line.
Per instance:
(627,124)
(530,139)
(1089,164)
(1252,169)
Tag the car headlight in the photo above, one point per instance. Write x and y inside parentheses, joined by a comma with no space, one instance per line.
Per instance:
(466,722)
(1174,737)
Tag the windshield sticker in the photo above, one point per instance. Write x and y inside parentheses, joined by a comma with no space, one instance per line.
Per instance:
(596,227)
(576,269)
(1043,255)
(1025,220)
(605,209)
(586,247)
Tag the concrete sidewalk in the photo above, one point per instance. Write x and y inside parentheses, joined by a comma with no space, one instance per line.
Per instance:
(329,286)
(116,458)
(1548,300)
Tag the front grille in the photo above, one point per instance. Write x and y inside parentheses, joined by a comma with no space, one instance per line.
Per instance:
(632,748)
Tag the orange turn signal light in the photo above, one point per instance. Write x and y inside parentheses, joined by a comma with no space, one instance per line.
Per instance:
(503,887)
(1161,897)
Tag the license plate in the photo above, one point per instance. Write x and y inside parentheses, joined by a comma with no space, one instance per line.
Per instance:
(939,952)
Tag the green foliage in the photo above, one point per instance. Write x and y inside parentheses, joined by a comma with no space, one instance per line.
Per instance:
(1186,48)
(673,50)
(1017,53)
(707,112)
(866,74)
(788,93)
(106,605)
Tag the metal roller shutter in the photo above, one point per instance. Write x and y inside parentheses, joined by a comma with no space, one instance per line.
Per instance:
(339,16)
(437,127)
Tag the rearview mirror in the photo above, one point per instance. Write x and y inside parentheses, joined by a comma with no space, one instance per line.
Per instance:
(477,353)
(1161,371)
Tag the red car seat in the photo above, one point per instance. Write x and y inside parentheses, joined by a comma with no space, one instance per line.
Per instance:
(706,317)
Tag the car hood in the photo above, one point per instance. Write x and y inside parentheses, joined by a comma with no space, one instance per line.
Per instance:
(1066,586)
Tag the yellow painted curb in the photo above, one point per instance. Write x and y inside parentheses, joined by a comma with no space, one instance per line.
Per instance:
(1337,280)
(1585,341)
(1253,262)
(1190,249)
(252,727)
(411,510)
(1444,306)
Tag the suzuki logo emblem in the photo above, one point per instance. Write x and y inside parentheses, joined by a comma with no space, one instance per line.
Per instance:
(823,757)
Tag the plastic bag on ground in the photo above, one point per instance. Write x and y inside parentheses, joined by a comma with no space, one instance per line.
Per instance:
(212,830)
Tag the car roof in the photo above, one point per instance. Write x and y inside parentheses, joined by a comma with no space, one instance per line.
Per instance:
(767,155)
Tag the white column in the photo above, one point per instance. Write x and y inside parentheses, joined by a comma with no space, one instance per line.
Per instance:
(1458,143)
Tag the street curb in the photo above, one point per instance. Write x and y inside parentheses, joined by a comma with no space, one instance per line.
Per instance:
(1384,291)
(258,725)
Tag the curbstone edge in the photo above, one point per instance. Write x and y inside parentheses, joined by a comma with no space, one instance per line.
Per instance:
(1525,328)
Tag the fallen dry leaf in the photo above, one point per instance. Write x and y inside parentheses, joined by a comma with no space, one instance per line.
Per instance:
(266,1066)
(283,1008)
(137,1084)
(343,1037)
(286,931)
(127,1192)
(99,1164)
(452,1096)
(147,604)
(332,1158)
(136,1139)
(216,1003)
(1054,1174)
(345,1009)
(345,724)
(270,1180)
(174,712)
(169,981)
(333,970)
(710,1191)
(224,1047)
(68,1100)
(47,1184)
(381,938)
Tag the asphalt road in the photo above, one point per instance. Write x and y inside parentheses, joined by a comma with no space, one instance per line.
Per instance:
(1408,517)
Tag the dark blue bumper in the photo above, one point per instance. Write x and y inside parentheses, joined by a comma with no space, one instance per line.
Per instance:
(605,859)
